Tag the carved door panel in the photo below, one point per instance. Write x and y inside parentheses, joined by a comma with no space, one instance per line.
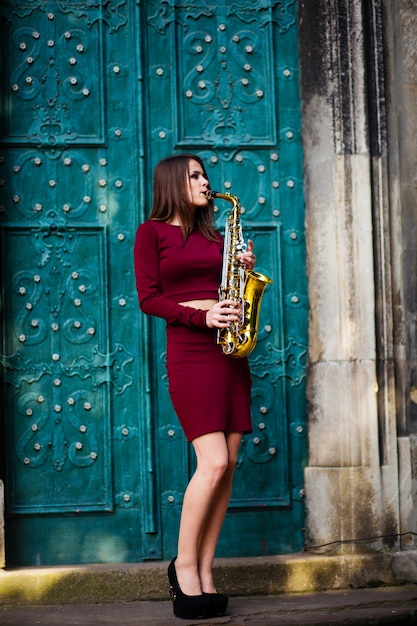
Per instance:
(224,82)
(94,94)
(70,366)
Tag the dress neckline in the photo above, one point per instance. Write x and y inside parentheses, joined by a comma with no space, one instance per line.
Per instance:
(167,223)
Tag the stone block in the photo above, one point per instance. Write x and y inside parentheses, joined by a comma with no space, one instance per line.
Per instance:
(343,429)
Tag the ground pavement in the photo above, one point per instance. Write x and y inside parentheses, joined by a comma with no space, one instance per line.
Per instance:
(379,606)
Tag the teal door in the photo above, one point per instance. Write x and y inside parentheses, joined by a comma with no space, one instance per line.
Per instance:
(94,461)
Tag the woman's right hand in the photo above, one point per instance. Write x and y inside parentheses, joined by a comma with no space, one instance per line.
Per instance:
(221,314)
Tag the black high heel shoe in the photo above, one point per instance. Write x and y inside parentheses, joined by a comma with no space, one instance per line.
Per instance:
(187,607)
(218,604)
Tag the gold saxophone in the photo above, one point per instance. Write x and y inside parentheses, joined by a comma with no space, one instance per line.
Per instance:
(245,287)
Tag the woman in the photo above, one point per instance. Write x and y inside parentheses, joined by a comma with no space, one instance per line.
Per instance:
(178,261)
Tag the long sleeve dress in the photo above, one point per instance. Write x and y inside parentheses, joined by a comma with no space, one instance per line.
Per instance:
(210,391)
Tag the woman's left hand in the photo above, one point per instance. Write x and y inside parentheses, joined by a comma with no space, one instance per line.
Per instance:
(248,258)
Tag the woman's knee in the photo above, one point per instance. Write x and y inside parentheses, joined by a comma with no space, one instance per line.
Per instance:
(215,457)
(215,468)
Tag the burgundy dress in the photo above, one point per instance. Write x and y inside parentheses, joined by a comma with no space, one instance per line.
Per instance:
(210,391)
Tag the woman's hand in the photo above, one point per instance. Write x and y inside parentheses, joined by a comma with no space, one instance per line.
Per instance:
(221,314)
(248,258)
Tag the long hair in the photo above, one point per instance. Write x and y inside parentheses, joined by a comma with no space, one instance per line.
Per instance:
(171,197)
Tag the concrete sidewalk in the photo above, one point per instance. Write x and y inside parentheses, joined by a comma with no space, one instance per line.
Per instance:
(114,583)
(264,591)
(387,605)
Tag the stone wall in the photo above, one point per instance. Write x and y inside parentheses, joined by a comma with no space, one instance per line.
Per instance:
(400,33)
(352,478)
(2,544)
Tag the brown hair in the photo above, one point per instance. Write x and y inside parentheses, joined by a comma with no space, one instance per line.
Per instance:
(170,197)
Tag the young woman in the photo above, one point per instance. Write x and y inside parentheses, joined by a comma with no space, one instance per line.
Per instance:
(178,261)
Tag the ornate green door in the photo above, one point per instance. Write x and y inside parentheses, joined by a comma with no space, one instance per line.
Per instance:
(94,94)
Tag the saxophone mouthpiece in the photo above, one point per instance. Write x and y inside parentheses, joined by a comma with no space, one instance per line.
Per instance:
(210,194)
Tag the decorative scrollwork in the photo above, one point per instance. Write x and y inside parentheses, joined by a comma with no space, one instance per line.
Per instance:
(103,368)
(33,446)
(36,202)
(260,448)
(47,437)
(289,362)
(83,447)
(227,130)
(51,128)
(280,12)
(220,72)
(107,11)
(252,167)
(56,75)
(169,11)
(29,323)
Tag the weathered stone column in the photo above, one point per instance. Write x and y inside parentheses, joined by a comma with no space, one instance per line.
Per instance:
(2,544)
(351,490)
(400,32)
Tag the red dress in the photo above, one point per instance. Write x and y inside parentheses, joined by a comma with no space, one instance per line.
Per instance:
(210,391)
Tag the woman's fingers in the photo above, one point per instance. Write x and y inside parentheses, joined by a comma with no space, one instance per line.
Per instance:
(228,311)
(248,258)
(222,314)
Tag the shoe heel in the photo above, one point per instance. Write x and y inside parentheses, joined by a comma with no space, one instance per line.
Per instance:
(218,604)
(186,607)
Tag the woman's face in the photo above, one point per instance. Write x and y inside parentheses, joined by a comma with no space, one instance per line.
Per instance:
(198,184)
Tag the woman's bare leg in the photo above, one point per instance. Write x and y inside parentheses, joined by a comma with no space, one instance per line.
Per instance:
(212,464)
(214,521)
(204,508)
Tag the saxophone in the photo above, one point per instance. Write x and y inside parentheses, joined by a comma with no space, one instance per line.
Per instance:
(246,287)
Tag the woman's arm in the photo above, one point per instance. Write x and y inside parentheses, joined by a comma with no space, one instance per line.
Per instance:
(148,284)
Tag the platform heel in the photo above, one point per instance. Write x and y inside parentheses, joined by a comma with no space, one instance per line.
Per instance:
(218,604)
(187,607)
